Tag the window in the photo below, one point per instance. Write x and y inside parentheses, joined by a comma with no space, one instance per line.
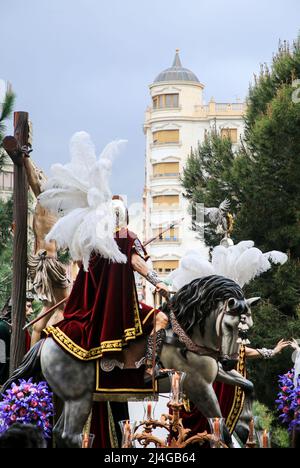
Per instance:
(230,133)
(163,101)
(171,201)
(166,169)
(165,136)
(165,266)
(168,236)
(2,352)
(6,180)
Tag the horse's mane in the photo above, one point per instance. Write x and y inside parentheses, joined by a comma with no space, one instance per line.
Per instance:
(195,301)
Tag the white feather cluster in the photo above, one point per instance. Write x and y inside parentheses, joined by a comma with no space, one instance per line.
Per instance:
(241,262)
(79,194)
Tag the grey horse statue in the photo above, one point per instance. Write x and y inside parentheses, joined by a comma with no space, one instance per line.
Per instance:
(209,310)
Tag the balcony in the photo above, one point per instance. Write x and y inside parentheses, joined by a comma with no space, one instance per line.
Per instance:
(163,144)
(175,175)
(167,240)
(214,109)
(165,109)
(164,207)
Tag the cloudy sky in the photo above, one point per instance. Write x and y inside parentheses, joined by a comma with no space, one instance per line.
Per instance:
(86,64)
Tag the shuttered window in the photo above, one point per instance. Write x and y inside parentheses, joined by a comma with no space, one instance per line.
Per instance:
(6,180)
(165,136)
(163,101)
(171,235)
(230,133)
(2,352)
(165,266)
(166,169)
(170,200)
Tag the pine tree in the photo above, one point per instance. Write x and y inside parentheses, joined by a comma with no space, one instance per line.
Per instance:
(6,212)
(263,182)
(269,211)
(207,177)
(5,113)
(269,206)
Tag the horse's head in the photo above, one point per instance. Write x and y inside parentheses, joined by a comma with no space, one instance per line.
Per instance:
(215,313)
(232,326)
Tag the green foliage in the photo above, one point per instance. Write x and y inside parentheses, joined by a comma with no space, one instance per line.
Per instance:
(207,176)
(272,168)
(64,256)
(6,214)
(280,286)
(5,273)
(280,438)
(6,217)
(37,308)
(269,211)
(208,170)
(263,416)
(262,181)
(6,111)
(270,326)
(6,246)
(266,419)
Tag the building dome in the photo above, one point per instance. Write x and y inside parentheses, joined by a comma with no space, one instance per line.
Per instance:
(176,72)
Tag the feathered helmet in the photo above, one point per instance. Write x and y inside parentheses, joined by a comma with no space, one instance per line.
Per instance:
(79,194)
(120,211)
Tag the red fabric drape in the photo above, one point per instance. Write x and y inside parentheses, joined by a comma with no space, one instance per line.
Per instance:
(231,401)
(102,314)
(100,425)
(27,341)
(194,419)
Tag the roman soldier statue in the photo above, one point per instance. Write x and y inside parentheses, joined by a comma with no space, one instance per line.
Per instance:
(102,315)
(48,274)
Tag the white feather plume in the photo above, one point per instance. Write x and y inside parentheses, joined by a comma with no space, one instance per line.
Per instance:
(241,262)
(79,193)
(276,257)
(191,266)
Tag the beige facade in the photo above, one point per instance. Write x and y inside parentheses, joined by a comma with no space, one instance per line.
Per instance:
(6,179)
(6,193)
(175,122)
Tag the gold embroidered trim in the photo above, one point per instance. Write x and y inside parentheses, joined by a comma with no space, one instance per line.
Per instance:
(239,395)
(120,390)
(106,346)
(148,315)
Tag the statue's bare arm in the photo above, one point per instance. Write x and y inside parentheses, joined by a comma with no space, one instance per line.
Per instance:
(140,266)
(32,176)
(264,353)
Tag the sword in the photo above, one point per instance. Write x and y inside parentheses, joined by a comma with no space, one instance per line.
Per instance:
(171,226)
(44,314)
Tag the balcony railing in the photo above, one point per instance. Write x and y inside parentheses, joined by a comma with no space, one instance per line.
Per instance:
(165,207)
(165,108)
(168,240)
(169,143)
(166,176)
(213,108)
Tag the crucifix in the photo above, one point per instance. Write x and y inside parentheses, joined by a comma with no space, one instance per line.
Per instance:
(16,146)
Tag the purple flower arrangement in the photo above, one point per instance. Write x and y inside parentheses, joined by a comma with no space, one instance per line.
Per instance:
(27,403)
(288,402)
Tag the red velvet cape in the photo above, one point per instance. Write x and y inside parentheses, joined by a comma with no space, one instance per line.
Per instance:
(102,314)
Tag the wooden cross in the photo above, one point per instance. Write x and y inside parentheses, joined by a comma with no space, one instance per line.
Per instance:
(14,146)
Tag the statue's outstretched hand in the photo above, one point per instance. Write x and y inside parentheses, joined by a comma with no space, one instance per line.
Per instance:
(280,346)
(294,344)
(162,289)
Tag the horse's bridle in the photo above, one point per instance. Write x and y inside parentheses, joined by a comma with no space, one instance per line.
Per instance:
(225,360)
